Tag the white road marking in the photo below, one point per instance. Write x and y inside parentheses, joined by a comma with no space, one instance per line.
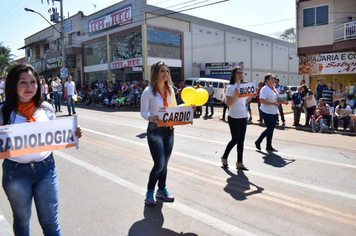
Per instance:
(287,155)
(275,178)
(193,213)
(5,227)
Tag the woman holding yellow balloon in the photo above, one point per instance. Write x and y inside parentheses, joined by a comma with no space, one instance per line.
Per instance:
(158,94)
(237,118)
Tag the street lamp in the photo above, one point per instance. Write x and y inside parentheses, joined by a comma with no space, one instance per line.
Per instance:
(61,33)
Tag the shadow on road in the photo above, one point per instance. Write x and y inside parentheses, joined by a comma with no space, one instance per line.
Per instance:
(275,160)
(152,223)
(238,186)
(142,135)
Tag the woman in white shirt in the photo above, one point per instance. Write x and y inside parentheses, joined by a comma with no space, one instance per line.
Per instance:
(158,94)
(342,112)
(237,118)
(32,176)
(268,109)
(310,104)
(57,93)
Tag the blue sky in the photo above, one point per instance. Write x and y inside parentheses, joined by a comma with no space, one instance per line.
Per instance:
(264,17)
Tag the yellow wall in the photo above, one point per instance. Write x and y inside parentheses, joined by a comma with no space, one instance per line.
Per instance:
(348,81)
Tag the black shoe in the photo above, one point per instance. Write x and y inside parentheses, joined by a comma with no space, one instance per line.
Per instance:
(69,114)
(271,149)
(59,111)
(74,113)
(224,163)
(258,145)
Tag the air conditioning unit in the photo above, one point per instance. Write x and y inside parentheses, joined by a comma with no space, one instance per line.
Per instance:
(78,33)
(55,17)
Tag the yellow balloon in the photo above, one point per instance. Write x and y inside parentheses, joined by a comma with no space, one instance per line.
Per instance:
(202,97)
(189,95)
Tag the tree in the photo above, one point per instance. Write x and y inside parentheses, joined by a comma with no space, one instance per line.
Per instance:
(288,35)
(6,59)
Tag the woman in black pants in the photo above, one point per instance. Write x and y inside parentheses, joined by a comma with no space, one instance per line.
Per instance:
(237,118)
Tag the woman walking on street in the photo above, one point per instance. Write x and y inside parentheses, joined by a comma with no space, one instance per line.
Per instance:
(158,94)
(237,118)
(31,177)
(268,109)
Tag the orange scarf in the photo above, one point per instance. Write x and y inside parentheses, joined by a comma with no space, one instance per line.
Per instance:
(27,110)
(273,89)
(165,95)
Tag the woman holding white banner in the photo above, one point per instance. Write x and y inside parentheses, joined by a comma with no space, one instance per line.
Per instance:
(237,118)
(268,109)
(158,94)
(31,176)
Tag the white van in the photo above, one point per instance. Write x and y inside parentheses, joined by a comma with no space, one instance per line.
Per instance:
(219,86)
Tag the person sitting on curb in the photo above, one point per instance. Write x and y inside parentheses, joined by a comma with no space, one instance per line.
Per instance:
(317,122)
(324,110)
(342,112)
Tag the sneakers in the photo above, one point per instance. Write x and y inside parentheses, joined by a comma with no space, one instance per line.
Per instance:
(164,194)
(150,201)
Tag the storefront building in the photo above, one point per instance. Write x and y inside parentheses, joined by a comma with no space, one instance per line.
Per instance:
(125,39)
(327,42)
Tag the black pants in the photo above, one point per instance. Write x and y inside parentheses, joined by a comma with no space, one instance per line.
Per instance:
(238,131)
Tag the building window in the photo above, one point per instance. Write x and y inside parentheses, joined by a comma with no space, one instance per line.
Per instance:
(126,46)
(163,44)
(72,39)
(95,53)
(316,16)
(46,47)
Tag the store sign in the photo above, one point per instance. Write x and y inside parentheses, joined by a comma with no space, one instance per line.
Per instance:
(115,18)
(326,64)
(126,64)
(70,62)
(39,66)
(218,69)
(53,63)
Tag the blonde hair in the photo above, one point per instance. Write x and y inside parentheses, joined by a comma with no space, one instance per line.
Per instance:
(155,69)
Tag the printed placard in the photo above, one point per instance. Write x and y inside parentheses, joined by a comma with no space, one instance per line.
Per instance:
(246,90)
(169,116)
(282,97)
(28,138)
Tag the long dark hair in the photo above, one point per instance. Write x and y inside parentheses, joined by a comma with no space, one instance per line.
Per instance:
(233,75)
(342,100)
(10,103)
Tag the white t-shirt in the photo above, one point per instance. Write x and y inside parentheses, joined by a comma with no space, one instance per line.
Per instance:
(41,115)
(311,102)
(237,109)
(70,87)
(44,88)
(268,94)
(150,104)
(342,111)
(55,86)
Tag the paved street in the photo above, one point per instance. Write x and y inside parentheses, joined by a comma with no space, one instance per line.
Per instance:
(306,188)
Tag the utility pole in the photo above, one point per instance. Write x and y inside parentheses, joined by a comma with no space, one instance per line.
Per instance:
(63,50)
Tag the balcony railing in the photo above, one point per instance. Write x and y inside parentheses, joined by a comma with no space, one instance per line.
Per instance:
(345,31)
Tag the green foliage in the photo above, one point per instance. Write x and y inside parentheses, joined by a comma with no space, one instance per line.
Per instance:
(289,35)
(6,59)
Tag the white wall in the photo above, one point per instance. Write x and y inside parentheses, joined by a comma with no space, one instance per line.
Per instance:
(238,48)
(280,57)
(261,54)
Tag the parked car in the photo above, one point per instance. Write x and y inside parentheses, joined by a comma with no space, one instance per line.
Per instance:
(290,90)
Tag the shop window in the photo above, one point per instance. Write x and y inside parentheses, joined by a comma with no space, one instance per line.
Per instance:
(316,16)
(126,46)
(95,53)
(163,44)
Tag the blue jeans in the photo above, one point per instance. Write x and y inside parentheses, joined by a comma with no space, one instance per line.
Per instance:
(280,109)
(270,121)
(346,120)
(319,126)
(38,181)
(210,103)
(160,141)
(238,131)
(57,101)
(70,104)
